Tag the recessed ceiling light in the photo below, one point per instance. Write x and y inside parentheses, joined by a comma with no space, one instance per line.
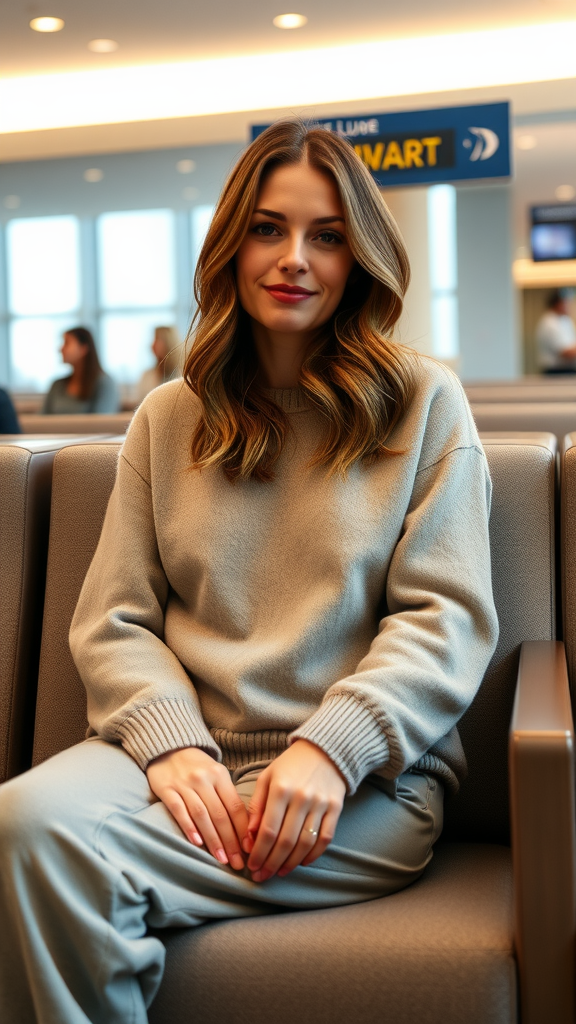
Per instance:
(526,142)
(190,193)
(565,192)
(289,21)
(102,45)
(47,24)
(12,202)
(185,166)
(93,174)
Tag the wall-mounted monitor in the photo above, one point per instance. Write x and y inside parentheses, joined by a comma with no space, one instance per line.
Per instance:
(553,232)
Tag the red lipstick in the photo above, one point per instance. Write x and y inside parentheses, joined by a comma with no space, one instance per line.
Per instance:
(289,293)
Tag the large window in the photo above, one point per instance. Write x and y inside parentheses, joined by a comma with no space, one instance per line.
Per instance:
(43,295)
(121,275)
(137,286)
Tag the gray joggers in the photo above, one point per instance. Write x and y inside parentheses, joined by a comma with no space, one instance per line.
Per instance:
(89,860)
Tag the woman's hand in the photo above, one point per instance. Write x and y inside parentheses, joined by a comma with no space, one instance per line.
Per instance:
(200,795)
(294,811)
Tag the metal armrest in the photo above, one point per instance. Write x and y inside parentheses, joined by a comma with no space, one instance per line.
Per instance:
(543,834)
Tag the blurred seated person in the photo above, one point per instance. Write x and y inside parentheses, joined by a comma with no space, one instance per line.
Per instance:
(556,337)
(8,419)
(87,388)
(167,349)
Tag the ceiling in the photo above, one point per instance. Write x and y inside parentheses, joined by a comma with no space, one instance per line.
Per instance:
(179,30)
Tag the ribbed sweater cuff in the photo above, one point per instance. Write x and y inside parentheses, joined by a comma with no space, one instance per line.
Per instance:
(164,725)
(350,735)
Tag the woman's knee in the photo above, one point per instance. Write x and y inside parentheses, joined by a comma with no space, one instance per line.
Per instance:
(30,807)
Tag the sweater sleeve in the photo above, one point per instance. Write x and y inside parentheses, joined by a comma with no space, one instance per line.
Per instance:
(138,692)
(435,641)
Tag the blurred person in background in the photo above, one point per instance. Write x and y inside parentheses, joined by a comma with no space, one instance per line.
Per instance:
(167,349)
(8,418)
(87,388)
(556,337)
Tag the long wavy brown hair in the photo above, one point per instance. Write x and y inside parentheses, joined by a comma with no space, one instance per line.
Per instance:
(353,373)
(90,368)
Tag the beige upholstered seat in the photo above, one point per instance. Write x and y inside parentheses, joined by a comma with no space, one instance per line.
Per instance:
(543,390)
(25,485)
(85,423)
(558,418)
(568,551)
(446,950)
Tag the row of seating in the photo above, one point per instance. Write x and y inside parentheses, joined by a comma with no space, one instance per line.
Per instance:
(559,388)
(84,423)
(487,935)
(503,412)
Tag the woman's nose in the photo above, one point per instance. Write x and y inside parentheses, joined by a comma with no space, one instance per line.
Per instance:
(293,259)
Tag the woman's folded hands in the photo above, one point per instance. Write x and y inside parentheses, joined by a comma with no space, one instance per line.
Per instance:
(291,818)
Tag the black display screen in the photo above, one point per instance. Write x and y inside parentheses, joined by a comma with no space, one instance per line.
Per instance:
(553,232)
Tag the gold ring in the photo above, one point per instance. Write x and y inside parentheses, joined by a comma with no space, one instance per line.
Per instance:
(313,831)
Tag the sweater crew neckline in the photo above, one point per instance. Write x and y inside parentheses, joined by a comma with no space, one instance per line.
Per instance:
(289,399)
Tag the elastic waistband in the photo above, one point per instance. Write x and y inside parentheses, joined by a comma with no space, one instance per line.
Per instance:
(241,748)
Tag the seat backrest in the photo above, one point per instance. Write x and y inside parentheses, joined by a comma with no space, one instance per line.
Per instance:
(568,552)
(83,423)
(545,392)
(82,482)
(25,485)
(522,541)
(523,472)
(557,418)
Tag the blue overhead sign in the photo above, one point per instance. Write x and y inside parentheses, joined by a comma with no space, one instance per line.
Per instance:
(419,147)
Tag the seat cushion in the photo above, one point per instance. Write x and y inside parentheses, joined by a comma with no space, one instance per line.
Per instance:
(558,417)
(439,952)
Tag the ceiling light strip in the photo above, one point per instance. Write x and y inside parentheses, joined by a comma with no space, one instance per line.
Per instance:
(290,79)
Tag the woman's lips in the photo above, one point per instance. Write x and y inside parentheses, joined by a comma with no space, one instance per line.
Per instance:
(288,293)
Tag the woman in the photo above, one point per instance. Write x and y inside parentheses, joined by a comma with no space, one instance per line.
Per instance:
(8,417)
(167,349)
(87,388)
(289,609)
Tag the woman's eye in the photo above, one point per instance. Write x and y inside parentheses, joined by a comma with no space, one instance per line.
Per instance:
(329,237)
(265,229)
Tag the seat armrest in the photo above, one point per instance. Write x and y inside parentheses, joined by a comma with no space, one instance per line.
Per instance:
(543,833)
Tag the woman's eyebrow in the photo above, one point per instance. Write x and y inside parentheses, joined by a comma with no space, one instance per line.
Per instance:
(317,220)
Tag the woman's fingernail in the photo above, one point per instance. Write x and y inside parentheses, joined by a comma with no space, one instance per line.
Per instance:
(196,838)
(221,856)
(237,862)
(248,844)
(283,871)
(261,876)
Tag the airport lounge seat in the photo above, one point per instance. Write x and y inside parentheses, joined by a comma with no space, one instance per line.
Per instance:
(558,418)
(84,423)
(568,552)
(543,391)
(451,948)
(25,485)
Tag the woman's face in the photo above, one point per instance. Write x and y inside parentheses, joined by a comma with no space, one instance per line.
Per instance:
(293,264)
(159,347)
(72,350)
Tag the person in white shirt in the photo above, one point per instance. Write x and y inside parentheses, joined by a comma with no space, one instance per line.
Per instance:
(167,349)
(556,337)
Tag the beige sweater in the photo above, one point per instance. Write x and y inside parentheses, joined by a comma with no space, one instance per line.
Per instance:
(355,613)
